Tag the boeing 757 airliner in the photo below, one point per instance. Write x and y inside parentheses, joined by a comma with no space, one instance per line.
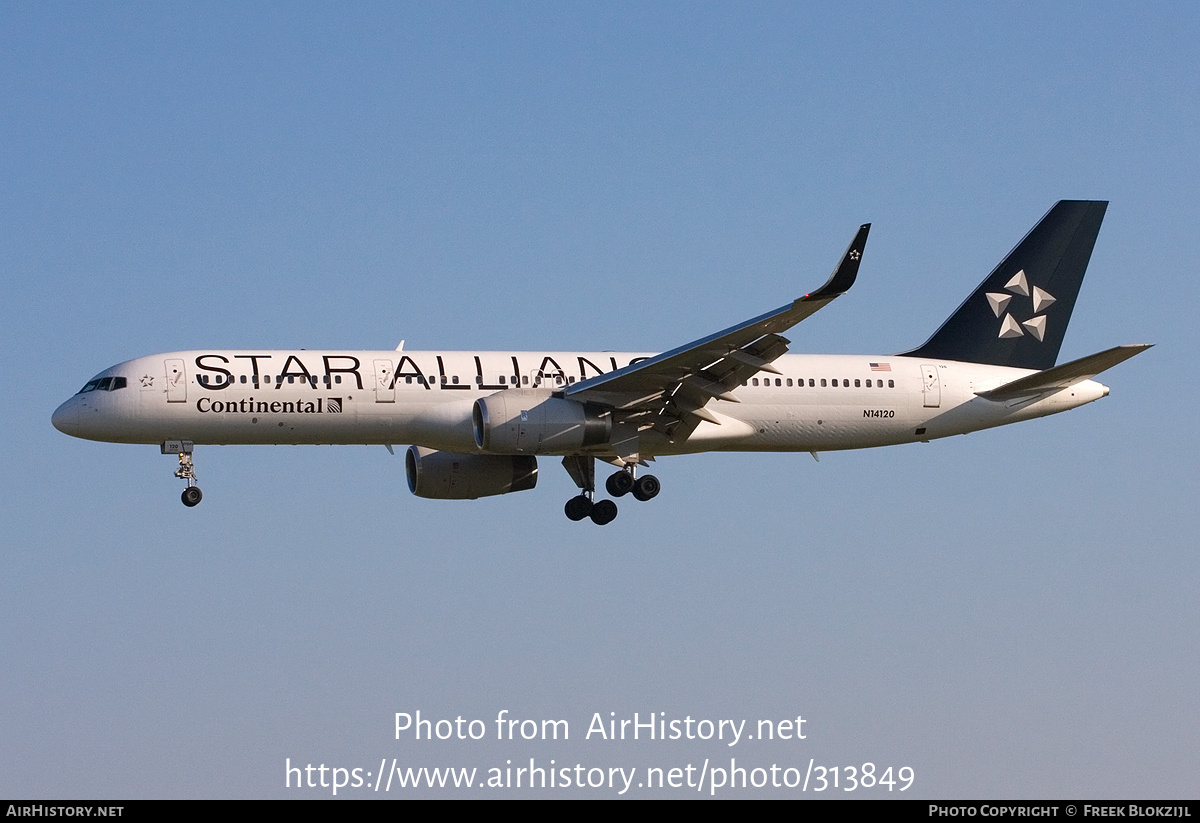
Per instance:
(478,421)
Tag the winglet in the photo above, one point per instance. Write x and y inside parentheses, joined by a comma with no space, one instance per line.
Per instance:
(847,270)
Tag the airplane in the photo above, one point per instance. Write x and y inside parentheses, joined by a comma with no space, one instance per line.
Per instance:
(478,421)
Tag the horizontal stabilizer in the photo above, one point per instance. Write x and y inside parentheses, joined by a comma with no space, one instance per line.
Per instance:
(1068,374)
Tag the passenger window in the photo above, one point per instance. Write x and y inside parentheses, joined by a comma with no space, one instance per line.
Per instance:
(502,380)
(822,382)
(812,383)
(754,381)
(779,382)
(891,384)
(857,385)
(524,380)
(789,382)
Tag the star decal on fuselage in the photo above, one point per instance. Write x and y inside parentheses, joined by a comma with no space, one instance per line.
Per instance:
(147,381)
(1010,327)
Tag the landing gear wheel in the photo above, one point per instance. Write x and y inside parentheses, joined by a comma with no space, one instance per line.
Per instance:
(604,512)
(578,507)
(646,487)
(191,496)
(619,484)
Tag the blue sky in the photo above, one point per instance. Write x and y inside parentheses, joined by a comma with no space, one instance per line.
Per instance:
(1012,614)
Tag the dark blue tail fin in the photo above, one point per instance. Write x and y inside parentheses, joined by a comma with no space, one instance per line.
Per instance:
(1018,316)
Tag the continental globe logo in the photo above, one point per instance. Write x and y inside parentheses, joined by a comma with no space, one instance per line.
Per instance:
(1000,302)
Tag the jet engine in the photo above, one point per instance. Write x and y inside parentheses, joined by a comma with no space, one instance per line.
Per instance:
(447,476)
(529,422)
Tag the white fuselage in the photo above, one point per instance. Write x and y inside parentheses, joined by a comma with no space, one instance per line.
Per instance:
(815,403)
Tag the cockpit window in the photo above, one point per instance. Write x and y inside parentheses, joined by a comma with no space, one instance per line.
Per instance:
(104,384)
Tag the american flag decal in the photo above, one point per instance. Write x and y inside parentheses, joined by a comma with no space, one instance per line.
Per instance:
(333,405)
(881,366)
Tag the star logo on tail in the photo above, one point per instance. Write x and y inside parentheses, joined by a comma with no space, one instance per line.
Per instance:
(1000,302)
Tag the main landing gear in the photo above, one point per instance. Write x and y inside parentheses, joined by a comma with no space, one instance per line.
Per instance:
(187,470)
(620,483)
(623,482)
(602,512)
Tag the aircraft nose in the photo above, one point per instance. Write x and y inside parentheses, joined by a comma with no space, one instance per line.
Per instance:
(66,418)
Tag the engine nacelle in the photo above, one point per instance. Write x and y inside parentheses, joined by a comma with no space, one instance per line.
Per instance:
(447,476)
(533,422)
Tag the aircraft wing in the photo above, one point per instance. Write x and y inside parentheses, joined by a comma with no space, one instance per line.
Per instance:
(672,388)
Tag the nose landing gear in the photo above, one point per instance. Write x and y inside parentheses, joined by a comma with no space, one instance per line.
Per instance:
(187,470)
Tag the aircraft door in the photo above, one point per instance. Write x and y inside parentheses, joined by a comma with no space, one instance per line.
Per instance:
(176,381)
(931,386)
(385,382)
